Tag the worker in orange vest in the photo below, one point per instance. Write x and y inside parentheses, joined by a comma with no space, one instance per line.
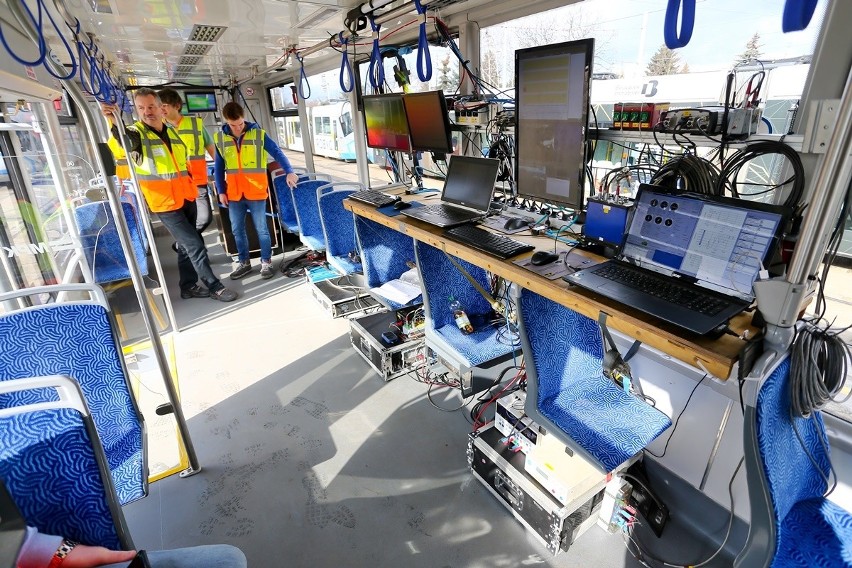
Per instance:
(159,158)
(196,138)
(243,147)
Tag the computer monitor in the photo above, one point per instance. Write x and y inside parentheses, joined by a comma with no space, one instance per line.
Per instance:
(386,125)
(428,122)
(552,101)
(201,101)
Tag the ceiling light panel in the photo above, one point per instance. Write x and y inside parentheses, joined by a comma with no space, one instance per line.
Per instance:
(206,33)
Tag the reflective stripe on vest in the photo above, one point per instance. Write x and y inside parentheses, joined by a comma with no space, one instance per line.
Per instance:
(245,169)
(122,169)
(162,174)
(191,131)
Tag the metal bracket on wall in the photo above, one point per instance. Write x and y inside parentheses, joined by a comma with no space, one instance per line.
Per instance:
(821,121)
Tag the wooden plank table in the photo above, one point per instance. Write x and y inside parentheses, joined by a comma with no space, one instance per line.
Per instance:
(715,356)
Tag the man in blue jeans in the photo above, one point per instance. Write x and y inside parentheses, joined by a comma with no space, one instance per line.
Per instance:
(243,149)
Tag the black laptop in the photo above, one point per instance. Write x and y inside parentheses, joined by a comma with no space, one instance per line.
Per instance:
(688,259)
(12,529)
(467,194)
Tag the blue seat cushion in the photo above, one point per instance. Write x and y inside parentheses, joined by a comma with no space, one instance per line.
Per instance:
(816,533)
(343,264)
(611,425)
(48,464)
(478,347)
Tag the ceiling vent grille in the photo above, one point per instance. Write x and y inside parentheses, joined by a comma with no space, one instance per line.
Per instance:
(189,60)
(197,49)
(206,33)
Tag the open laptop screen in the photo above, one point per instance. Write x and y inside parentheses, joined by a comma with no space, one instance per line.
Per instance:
(722,243)
(470,182)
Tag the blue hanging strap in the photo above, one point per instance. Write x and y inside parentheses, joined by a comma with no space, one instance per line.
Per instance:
(42,45)
(49,69)
(424,58)
(797,15)
(303,79)
(345,66)
(376,70)
(673,40)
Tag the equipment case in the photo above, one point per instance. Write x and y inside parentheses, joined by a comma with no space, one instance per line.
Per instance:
(389,361)
(501,470)
(344,295)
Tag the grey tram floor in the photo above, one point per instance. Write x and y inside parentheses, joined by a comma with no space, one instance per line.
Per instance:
(309,459)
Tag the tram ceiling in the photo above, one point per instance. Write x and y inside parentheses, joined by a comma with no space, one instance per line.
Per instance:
(214,42)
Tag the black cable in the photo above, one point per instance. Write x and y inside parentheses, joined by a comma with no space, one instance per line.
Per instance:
(677,420)
(743,156)
(688,172)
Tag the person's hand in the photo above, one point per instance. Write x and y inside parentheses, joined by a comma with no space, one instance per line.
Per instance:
(109,110)
(292,180)
(223,199)
(83,556)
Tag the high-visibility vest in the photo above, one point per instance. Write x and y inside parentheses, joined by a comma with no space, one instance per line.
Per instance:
(122,168)
(245,169)
(191,131)
(162,173)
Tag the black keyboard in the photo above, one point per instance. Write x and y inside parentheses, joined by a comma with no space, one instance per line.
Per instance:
(447,213)
(664,288)
(486,241)
(373,197)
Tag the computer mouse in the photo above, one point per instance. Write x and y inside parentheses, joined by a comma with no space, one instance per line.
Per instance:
(401,205)
(543,257)
(516,223)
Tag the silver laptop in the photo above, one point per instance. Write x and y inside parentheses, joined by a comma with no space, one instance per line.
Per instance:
(467,195)
(688,259)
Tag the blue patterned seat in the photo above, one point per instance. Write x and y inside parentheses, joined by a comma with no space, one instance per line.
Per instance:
(338,226)
(53,466)
(307,210)
(286,209)
(385,255)
(809,530)
(568,393)
(441,280)
(99,237)
(77,339)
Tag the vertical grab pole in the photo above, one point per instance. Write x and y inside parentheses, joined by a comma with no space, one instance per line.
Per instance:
(124,237)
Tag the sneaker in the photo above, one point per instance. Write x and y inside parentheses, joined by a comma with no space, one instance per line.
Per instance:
(195,292)
(224,295)
(243,269)
(266,270)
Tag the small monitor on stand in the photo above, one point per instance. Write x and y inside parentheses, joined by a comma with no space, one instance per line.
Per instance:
(386,125)
(429,125)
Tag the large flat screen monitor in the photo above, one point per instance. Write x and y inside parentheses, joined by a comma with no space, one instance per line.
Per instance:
(387,127)
(552,101)
(201,102)
(428,122)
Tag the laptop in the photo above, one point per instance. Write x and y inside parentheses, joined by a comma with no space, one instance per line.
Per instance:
(12,529)
(688,259)
(468,190)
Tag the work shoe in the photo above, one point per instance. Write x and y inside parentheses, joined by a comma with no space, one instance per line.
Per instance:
(266,270)
(195,292)
(243,269)
(224,295)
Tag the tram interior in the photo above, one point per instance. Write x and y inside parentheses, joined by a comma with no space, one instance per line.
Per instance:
(265,424)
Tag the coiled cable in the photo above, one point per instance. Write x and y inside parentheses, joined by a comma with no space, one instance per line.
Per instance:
(744,155)
(688,172)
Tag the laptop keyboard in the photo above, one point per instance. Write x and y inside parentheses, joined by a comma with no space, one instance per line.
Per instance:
(373,197)
(486,241)
(663,288)
(447,213)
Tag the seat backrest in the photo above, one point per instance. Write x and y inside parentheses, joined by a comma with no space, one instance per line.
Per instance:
(442,280)
(338,225)
(286,209)
(77,339)
(52,464)
(307,210)
(790,474)
(384,251)
(101,245)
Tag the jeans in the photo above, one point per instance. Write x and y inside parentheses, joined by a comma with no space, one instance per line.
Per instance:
(208,556)
(193,263)
(237,212)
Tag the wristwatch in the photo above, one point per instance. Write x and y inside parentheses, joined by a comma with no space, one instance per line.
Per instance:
(59,556)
